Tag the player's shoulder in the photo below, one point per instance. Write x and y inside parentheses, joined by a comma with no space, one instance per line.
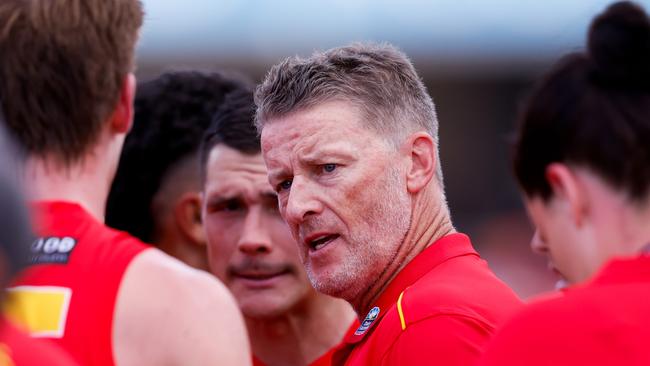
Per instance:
(487,301)
(560,330)
(102,245)
(165,276)
(159,298)
(428,314)
(564,315)
(116,239)
(585,307)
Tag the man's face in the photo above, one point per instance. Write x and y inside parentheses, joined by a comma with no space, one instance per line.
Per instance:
(249,246)
(342,190)
(570,253)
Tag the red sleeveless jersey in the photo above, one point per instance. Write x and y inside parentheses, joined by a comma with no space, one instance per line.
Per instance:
(68,292)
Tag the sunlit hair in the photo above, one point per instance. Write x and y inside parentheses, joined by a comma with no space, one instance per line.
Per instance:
(377,78)
(62,66)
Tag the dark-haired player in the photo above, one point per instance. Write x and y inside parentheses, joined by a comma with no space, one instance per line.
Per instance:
(155,194)
(252,251)
(67,89)
(583,160)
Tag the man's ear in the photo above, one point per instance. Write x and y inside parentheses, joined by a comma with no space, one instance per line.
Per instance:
(122,118)
(567,187)
(422,152)
(187,214)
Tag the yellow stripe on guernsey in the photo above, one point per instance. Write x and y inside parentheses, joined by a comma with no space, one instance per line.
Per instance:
(40,310)
(400,311)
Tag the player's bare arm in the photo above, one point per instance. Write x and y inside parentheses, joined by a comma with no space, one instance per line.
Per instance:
(156,316)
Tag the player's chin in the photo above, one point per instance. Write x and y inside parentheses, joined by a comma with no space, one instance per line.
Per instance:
(330,281)
(269,305)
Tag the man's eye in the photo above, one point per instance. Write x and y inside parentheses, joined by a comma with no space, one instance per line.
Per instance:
(232,206)
(328,168)
(226,206)
(284,185)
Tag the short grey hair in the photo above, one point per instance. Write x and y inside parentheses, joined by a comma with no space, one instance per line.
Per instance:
(378,78)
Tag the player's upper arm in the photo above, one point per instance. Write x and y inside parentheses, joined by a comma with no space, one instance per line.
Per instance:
(170,314)
(448,340)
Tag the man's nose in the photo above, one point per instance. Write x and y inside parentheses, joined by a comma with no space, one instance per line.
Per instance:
(302,201)
(255,238)
(537,244)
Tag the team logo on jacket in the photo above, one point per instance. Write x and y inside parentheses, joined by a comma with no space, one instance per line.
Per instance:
(367,322)
(52,250)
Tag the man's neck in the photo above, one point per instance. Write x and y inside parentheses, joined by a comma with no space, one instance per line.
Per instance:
(430,221)
(86,182)
(301,335)
(627,229)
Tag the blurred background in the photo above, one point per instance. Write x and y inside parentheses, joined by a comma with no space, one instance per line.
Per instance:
(477,58)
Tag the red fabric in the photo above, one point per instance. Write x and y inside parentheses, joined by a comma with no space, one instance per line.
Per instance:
(93,273)
(451,303)
(18,349)
(603,322)
(324,360)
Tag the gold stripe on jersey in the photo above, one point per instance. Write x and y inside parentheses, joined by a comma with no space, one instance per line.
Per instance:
(40,310)
(400,312)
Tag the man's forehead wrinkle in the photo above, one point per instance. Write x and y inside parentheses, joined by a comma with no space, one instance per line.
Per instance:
(245,168)
(277,164)
(233,189)
(267,143)
(223,177)
(290,142)
(282,160)
(277,132)
(276,173)
(235,171)
(224,158)
(274,145)
(329,148)
(224,191)
(228,174)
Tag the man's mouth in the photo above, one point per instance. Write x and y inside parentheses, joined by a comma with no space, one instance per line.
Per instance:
(258,271)
(258,276)
(319,241)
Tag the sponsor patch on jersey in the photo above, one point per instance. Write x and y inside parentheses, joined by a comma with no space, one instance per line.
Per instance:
(42,311)
(367,322)
(52,250)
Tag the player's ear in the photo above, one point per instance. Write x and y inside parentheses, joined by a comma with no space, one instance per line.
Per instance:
(122,118)
(187,214)
(423,157)
(566,187)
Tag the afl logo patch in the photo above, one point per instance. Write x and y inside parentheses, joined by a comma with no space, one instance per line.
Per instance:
(52,250)
(367,322)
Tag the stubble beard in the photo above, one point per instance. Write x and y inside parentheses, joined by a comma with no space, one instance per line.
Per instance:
(373,247)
